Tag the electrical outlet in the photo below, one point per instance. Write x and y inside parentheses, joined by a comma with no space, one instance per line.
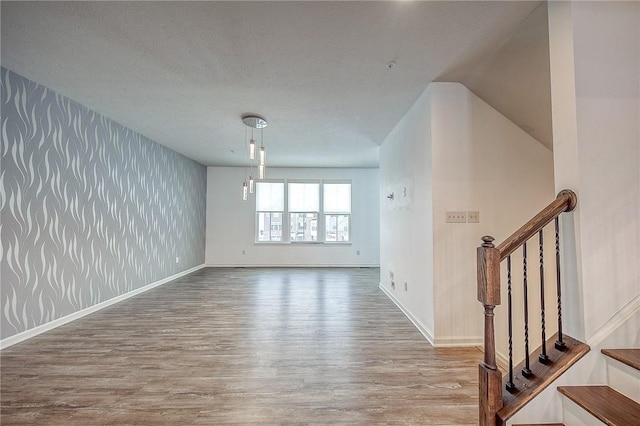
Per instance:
(404,192)
(391,275)
(177,259)
(473,217)
(357,252)
(244,252)
(456,217)
(405,286)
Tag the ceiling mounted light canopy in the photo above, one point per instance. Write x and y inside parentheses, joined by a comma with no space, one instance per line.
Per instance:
(254,122)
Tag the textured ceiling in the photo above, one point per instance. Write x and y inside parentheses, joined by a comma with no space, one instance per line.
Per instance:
(183,73)
(515,78)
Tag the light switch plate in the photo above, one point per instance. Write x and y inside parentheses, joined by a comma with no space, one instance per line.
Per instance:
(456,217)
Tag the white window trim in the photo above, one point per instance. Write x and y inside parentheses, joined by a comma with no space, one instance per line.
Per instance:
(286,214)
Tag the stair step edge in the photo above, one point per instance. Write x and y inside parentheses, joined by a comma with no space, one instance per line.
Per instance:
(539,424)
(630,357)
(604,403)
(544,375)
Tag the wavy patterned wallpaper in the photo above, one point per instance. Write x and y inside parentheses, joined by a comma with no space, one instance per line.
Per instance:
(89,209)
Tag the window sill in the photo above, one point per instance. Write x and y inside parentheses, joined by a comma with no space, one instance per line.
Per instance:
(311,243)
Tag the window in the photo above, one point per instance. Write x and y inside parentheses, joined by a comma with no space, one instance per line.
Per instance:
(312,211)
(337,212)
(304,208)
(269,211)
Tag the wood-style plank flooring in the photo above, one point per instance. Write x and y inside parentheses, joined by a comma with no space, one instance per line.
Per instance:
(242,346)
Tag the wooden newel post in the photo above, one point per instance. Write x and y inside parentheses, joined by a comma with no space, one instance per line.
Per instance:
(490,377)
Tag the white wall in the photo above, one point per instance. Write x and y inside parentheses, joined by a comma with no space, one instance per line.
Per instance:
(230,222)
(596,50)
(481,161)
(595,77)
(453,152)
(607,65)
(406,225)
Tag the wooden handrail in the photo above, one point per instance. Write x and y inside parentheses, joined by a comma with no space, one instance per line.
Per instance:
(488,262)
(564,202)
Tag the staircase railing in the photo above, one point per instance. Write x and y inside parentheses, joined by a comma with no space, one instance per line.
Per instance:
(489,259)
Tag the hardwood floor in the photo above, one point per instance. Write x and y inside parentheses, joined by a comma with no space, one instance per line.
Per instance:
(242,346)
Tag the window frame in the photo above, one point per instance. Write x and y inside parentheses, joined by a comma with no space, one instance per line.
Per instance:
(282,212)
(321,237)
(317,213)
(335,213)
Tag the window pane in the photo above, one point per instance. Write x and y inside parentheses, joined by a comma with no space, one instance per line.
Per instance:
(276,226)
(269,226)
(304,226)
(264,223)
(269,196)
(337,197)
(304,197)
(337,227)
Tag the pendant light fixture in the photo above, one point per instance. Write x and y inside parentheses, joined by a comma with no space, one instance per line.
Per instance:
(263,153)
(245,188)
(252,147)
(254,122)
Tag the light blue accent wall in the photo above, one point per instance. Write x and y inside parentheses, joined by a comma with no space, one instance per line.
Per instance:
(89,209)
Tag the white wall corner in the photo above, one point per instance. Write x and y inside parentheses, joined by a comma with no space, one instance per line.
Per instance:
(423,329)
(626,313)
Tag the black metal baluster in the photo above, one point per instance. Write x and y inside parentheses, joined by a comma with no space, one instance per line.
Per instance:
(543,358)
(510,386)
(559,343)
(526,371)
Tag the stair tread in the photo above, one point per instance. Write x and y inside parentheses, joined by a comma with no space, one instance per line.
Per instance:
(605,403)
(631,357)
(539,424)
(543,375)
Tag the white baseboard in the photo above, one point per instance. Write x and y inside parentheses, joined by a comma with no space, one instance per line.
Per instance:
(32,332)
(440,342)
(458,342)
(614,322)
(501,360)
(416,322)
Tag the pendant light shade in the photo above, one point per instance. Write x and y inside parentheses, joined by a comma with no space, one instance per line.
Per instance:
(263,156)
(252,149)
(245,190)
(261,172)
(251,184)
